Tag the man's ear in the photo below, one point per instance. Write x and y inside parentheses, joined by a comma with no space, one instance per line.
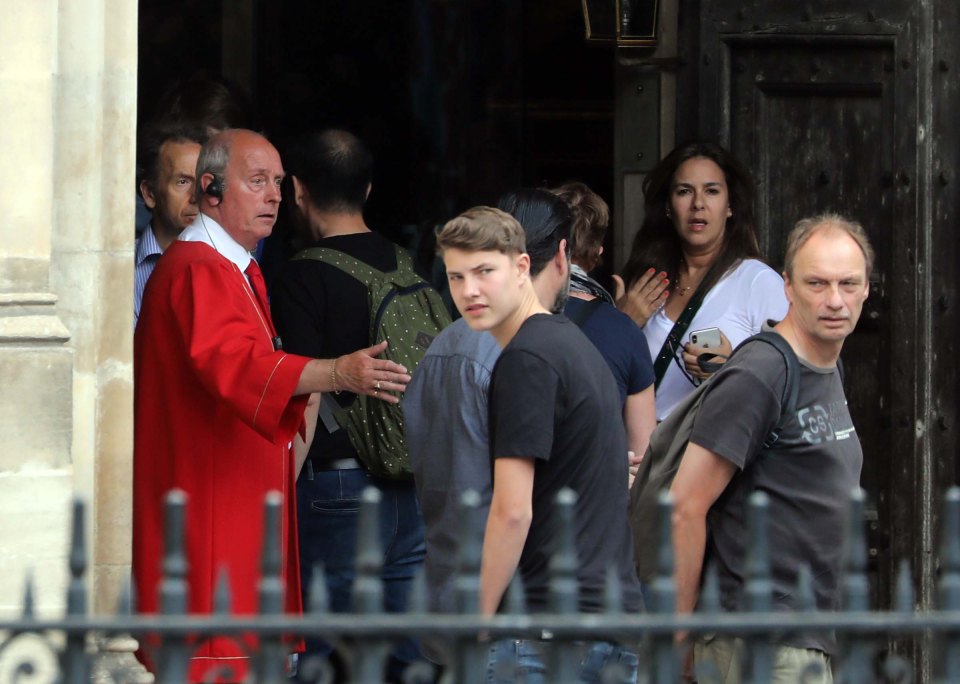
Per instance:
(205,181)
(562,258)
(147,193)
(522,264)
(787,287)
(300,194)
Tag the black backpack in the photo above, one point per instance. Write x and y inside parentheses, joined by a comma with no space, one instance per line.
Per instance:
(406,311)
(668,443)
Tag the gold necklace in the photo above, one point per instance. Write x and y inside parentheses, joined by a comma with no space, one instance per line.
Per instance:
(681,291)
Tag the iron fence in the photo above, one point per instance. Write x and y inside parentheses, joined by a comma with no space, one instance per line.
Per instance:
(363,638)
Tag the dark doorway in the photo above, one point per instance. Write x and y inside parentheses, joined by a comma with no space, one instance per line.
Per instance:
(458,101)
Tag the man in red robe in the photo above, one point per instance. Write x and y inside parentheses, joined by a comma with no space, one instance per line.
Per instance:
(218,403)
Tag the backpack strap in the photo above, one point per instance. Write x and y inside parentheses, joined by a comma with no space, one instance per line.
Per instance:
(403,276)
(791,390)
(585,312)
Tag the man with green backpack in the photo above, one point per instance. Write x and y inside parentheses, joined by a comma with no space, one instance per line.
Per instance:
(353,289)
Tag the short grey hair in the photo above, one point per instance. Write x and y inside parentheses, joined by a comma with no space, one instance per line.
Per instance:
(807,227)
(213,159)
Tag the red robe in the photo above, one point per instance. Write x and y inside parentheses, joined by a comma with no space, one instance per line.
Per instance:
(214,416)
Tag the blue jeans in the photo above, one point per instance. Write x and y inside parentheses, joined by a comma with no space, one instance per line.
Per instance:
(522,660)
(328,515)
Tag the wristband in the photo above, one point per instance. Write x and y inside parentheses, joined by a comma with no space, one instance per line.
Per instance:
(333,377)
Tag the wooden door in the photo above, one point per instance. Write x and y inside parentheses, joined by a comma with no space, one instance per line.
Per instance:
(824,102)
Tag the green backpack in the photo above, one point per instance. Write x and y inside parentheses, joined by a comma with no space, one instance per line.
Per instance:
(408,313)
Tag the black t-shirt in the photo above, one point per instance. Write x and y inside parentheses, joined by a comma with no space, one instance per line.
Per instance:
(553,399)
(323,312)
(808,476)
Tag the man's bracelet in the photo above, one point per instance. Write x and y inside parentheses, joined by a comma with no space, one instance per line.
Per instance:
(333,377)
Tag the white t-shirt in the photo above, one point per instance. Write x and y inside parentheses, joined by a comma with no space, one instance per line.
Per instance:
(739,304)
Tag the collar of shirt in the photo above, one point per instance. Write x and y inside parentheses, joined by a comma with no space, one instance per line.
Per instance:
(147,246)
(205,229)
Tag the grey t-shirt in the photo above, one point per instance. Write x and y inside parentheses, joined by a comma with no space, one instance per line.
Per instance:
(445,425)
(808,475)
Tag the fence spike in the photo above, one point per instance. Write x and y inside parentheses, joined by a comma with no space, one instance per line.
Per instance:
(271,582)
(856,594)
(75,662)
(564,585)
(516,596)
(470,662)
(613,592)
(905,597)
(173,585)
(664,665)
(709,601)
(28,602)
(949,588)
(270,662)
(77,588)
(370,655)
(564,590)
(418,593)
(469,553)
(222,593)
(319,598)
(856,590)
(174,658)
(950,551)
(125,599)
(759,586)
(663,589)
(806,600)
(368,588)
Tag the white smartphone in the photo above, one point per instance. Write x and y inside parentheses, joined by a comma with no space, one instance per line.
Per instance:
(708,338)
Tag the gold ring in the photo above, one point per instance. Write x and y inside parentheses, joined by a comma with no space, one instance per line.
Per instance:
(378,385)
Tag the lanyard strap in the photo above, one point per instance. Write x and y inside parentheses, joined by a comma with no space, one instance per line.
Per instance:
(670,345)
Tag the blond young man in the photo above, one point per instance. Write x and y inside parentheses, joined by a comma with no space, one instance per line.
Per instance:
(554,424)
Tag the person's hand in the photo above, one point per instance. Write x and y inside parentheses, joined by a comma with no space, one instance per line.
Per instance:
(644,297)
(362,373)
(633,462)
(690,354)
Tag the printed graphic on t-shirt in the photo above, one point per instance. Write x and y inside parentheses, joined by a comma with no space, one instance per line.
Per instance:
(821,424)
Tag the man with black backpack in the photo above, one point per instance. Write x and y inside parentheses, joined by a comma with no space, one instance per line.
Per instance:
(352,289)
(809,470)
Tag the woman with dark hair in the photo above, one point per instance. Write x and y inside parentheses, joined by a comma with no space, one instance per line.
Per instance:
(695,264)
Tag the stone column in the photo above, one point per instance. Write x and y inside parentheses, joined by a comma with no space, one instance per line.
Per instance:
(92,263)
(36,357)
(68,78)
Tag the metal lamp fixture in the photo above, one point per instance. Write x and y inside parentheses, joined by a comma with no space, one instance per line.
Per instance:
(624,22)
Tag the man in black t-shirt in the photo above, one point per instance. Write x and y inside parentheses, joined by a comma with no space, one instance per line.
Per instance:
(808,474)
(554,420)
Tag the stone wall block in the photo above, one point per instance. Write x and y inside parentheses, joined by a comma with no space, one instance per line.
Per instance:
(34,536)
(36,406)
